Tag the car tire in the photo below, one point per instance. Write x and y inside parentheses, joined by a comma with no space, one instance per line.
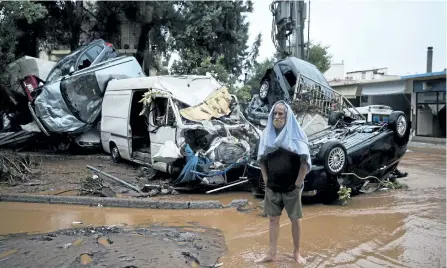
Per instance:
(115,153)
(334,157)
(398,123)
(264,89)
(335,117)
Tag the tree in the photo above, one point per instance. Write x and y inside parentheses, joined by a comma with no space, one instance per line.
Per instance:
(16,20)
(214,29)
(320,57)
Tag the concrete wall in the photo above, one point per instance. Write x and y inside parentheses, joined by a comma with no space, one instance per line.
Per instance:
(430,85)
(336,71)
(368,74)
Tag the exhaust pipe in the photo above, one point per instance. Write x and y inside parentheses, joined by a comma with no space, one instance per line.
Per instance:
(429,59)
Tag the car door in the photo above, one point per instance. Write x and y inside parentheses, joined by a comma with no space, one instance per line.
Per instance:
(162,123)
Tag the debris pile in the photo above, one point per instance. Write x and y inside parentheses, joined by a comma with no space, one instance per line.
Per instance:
(15,168)
(91,185)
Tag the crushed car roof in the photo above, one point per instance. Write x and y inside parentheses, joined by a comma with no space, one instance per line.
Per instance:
(189,89)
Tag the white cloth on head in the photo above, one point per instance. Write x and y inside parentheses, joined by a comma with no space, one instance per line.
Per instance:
(291,138)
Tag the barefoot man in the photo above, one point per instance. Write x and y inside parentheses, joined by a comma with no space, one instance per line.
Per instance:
(285,161)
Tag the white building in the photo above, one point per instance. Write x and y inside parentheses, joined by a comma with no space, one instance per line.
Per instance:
(371,74)
(335,72)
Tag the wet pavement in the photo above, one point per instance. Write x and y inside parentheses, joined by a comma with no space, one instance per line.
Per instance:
(398,228)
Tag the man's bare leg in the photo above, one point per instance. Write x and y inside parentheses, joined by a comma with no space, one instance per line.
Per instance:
(296,234)
(273,237)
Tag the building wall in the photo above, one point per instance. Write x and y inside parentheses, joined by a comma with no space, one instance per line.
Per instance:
(430,107)
(430,85)
(368,74)
(336,71)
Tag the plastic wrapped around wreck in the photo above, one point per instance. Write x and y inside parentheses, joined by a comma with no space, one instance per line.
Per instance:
(192,162)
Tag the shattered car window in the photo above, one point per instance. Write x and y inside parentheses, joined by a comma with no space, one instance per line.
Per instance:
(288,74)
(62,68)
(89,57)
(159,111)
(83,96)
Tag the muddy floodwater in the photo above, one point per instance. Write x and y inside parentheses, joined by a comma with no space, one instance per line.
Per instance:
(395,228)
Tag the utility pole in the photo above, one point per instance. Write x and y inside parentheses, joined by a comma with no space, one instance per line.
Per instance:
(289,18)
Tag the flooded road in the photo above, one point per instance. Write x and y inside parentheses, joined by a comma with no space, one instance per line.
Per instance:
(399,228)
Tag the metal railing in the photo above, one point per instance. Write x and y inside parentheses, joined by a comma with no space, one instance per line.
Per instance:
(317,98)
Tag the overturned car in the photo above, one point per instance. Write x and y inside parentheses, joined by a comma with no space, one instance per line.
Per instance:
(189,127)
(66,106)
(345,149)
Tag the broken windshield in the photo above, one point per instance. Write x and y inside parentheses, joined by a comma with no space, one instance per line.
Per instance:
(62,68)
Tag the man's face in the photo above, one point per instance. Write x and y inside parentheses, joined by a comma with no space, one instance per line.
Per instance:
(279,116)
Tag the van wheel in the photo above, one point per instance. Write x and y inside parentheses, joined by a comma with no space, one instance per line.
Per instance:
(116,157)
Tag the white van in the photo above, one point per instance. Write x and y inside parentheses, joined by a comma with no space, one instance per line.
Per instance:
(128,134)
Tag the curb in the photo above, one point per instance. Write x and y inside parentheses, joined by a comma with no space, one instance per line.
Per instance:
(65,156)
(111,202)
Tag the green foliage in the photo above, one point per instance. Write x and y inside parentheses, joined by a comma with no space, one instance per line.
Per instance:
(320,57)
(344,194)
(15,18)
(214,29)
(394,185)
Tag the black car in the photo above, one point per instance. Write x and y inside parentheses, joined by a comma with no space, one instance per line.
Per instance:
(346,150)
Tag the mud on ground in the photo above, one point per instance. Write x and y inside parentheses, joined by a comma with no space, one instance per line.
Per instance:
(61,175)
(154,246)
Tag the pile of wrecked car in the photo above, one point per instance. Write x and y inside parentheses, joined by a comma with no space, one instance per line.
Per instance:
(193,130)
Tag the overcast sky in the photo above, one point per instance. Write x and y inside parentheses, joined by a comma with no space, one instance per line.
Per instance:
(369,34)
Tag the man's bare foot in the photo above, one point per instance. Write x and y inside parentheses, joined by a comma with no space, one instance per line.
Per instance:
(267,258)
(296,256)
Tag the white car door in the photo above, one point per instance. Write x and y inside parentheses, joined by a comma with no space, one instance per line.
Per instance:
(162,125)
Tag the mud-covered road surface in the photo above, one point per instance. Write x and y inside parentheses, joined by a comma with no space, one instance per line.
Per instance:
(392,228)
(115,247)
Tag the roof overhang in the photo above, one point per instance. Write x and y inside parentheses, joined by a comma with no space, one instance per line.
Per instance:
(348,91)
(386,88)
(425,76)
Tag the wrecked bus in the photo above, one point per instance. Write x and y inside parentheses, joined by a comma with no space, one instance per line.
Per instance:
(189,127)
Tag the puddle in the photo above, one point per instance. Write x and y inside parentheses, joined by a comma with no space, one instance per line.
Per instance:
(78,242)
(398,228)
(106,242)
(7,253)
(86,259)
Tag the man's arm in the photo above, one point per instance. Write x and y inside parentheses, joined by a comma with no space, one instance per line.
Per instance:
(264,171)
(303,171)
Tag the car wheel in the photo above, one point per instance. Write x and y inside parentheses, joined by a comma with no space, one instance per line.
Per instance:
(398,123)
(116,157)
(335,117)
(334,157)
(264,89)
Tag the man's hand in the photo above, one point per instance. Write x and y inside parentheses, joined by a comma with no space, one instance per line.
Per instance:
(264,172)
(302,173)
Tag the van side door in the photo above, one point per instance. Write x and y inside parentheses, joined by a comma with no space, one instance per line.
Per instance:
(162,123)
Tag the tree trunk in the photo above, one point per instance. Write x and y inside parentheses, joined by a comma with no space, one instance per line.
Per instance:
(142,41)
(75,12)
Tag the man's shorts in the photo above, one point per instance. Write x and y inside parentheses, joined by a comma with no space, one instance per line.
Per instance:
(275,202)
